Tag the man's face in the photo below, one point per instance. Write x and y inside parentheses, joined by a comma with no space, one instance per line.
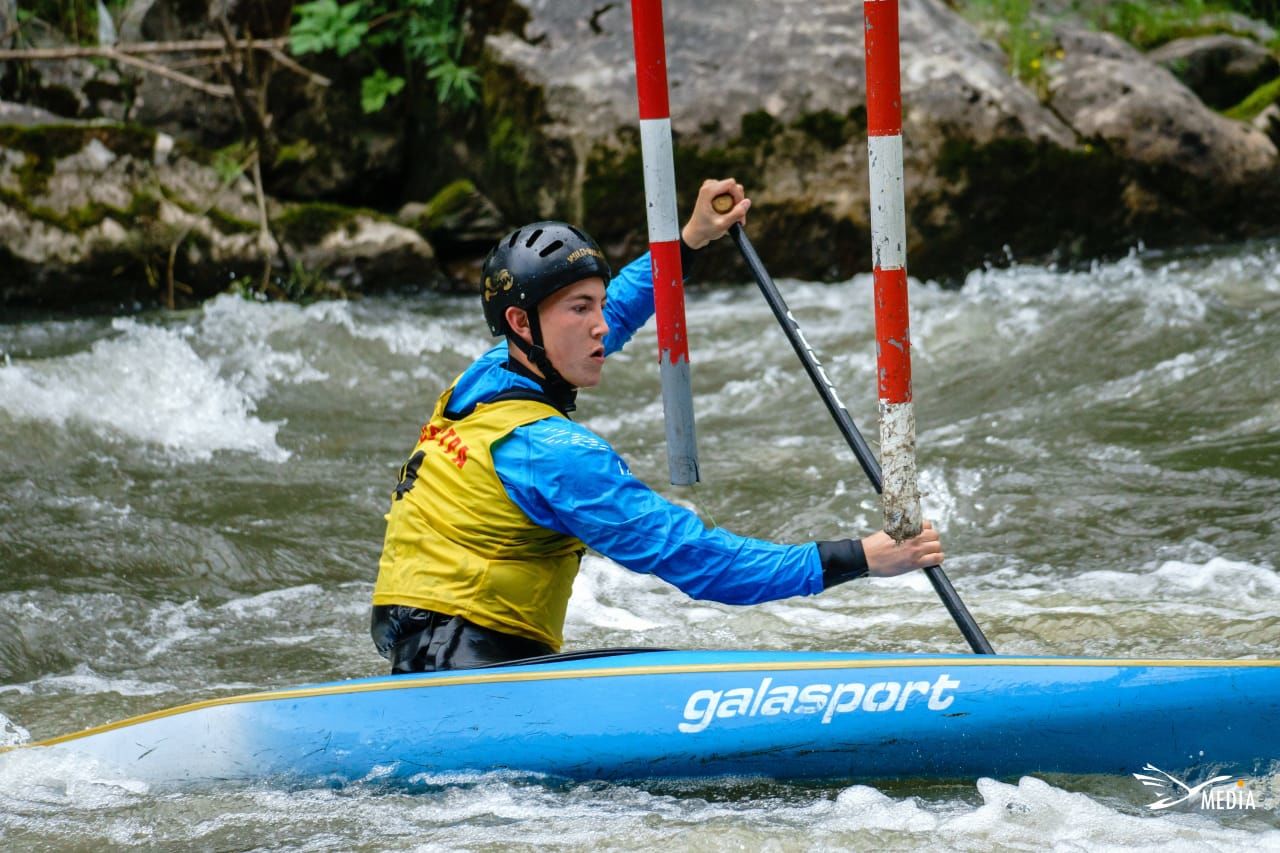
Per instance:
(573,330)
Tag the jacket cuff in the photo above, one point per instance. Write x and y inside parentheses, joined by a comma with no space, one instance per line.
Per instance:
(842,560)
(688,257)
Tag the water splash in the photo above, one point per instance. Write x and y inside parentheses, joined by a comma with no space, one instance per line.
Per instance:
(143,384)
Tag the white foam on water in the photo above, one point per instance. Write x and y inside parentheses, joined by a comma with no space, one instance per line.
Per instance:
(268,605)
(283,342)
(239,337)
(169,625)
(50,780)
(598,595)
(1242,586)
(145,384)
(63,797)
(1038,815)
(491,812)
(12,734)
(84,681)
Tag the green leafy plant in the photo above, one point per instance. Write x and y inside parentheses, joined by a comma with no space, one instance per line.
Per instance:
(376,88)
(425,33)
(324,25)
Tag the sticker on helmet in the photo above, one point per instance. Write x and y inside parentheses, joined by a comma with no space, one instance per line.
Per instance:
(583,252)
(502,280)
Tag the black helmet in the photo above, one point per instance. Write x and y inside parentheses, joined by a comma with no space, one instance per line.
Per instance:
(533,262)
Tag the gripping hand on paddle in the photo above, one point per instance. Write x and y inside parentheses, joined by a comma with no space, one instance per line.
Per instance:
(721,204)
(886,558)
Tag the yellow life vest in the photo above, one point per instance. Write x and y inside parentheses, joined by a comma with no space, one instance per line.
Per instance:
(458,545)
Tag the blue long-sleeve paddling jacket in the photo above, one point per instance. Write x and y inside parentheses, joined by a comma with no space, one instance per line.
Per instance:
(566,478)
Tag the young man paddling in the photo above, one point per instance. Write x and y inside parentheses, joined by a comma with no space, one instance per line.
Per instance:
(504,493)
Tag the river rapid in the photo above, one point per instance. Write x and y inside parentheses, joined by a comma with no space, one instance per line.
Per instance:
(191,506)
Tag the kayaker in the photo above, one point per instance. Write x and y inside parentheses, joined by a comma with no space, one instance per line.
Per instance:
(504,493)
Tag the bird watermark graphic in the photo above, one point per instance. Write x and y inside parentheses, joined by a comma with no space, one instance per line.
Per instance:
(1174,791)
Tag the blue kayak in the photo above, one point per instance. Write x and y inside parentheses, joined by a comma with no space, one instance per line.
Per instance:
(647,715)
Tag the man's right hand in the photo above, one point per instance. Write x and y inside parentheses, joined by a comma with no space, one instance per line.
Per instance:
(886,558)
(705,224)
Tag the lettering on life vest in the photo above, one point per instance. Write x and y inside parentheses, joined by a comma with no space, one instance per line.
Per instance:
(448,440)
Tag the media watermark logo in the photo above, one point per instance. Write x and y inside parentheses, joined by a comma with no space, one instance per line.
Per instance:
(1208,794)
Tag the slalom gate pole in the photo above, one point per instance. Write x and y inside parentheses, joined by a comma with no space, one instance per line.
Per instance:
(901,496)
(941,583)
(664,239)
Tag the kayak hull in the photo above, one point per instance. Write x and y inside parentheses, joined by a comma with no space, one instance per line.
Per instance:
(681,715)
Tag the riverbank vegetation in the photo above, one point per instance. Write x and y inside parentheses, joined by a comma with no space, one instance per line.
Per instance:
(1021,26)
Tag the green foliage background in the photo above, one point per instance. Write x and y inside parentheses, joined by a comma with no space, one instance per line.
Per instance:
(422,33)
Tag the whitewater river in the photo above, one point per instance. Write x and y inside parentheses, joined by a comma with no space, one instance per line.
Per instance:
(191,506)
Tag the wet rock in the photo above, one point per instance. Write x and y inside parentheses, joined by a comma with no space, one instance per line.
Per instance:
(26,114)
(1268,121)
(461,225)
(773,94)
(94,212)
(90,212)
(457,220)
(361,250)
(1199,165)
(1220,69)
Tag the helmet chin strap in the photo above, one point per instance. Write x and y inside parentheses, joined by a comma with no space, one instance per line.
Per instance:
(556,386)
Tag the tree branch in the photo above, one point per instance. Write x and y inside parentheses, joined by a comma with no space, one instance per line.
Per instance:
(129,53)
(142,47)
(169,74)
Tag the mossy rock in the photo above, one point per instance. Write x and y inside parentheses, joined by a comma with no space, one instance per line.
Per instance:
(450,201)
(1257,101)
(613,189)
(44,145)
(1032,198)
(306,223)
(832,130)
(143,207)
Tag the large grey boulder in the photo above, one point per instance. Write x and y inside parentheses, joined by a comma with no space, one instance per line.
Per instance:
(1187,168)
(1221,69)
(773,93)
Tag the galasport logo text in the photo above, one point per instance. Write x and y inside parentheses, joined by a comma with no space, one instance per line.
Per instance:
(769,700)
(447,439)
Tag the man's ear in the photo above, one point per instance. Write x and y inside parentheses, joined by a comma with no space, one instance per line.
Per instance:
(518,320)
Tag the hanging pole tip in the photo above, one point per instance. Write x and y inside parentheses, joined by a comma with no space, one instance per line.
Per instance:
(722,203)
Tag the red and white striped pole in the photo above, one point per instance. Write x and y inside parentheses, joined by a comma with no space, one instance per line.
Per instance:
(901,496)
(664,239)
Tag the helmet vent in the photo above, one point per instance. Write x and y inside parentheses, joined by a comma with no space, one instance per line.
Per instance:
(533,238)
(579,234)
(550,247)
(515,235)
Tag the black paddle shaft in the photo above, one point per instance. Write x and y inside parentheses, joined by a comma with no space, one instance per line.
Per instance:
(937,577)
